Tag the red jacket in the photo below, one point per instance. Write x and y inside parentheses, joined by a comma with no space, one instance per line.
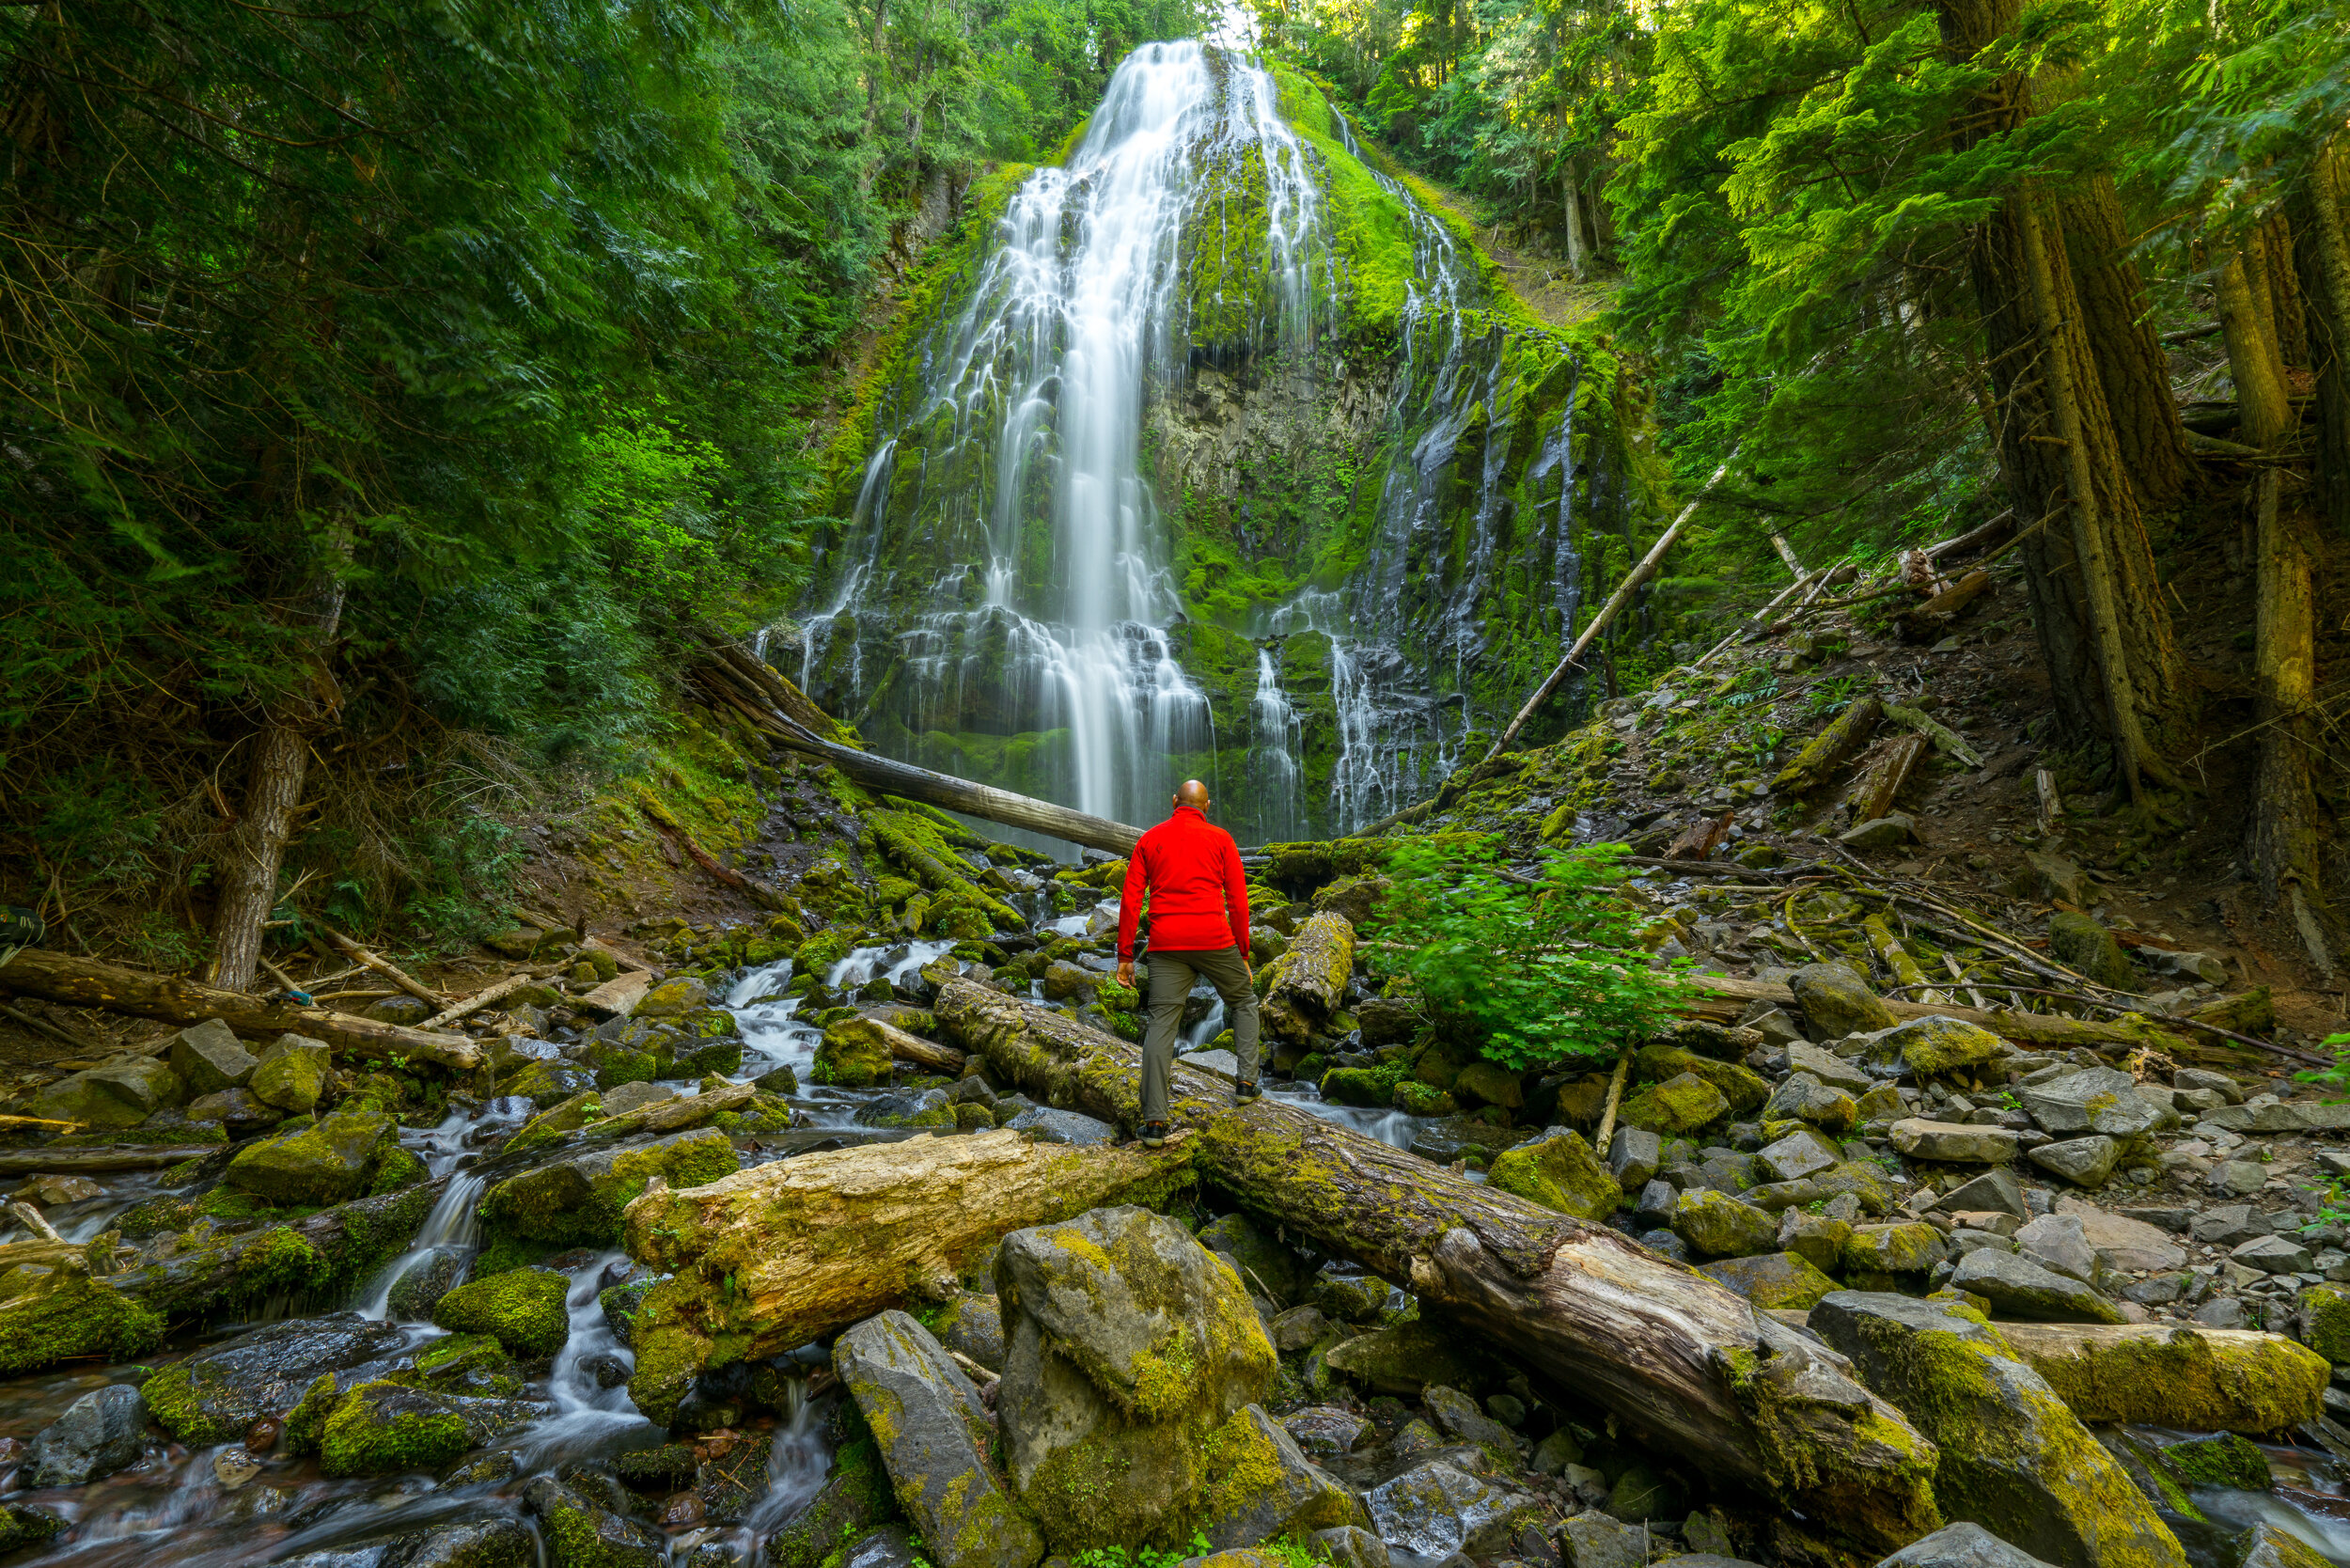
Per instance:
(1199,898)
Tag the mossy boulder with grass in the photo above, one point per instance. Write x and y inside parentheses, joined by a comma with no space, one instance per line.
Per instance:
(1742,1087)
(1559,1172)
(52,1311)
(524,1308)
(324,1162)
(853,1054)
(1677,1107)
(292,1075)
(576,1198)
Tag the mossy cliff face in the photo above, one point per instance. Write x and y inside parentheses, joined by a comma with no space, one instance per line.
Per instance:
(1325,516)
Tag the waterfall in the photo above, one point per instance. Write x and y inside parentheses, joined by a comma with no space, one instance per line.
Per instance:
(1274,735)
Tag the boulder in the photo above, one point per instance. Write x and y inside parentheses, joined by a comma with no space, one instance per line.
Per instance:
(2086,948)
(576,1198)
(1131,1353)
(2055,879)
(2325,1322)
(1595,1540)
(240,1110)
(1044,1124)
(672,999)
(23,1525)
(524,1308)
(1953,1142)
(620,1099)
(1805,1099)
(209,1058)
(423,1283)
(1774,1282)
(1434,1510)
(110,1098)
(102,1431)
(494,1542)
(1558,1172)
(215,1395)
(1743,1088)
(291,1074)
(2094,1100)
(1266,1261)
(2057,1242)
(1678,1106)
(1460,1419)
(2019,1288)
(854,1054)
(971,1325)
(1325,1430)
(320,1162)
(1715,1225)
(1804,1153)
(2271,1255)
(384,1427)
(1996,1191)
(2013,1458)
(1838,1002)
(2172,1375)
(1489,1083)
(933,1436)
(1817,1239)
(2122,1243)
(2085,1162)
(1829,1068)
(1261,1487)
(1635,1155)
(1964,1544)
(1912,1247)
(1936,1045)
(1352,1547)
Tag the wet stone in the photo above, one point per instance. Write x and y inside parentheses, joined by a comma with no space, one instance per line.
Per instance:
(102,1431)
(1325,1430)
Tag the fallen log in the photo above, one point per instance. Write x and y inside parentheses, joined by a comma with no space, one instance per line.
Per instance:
(85,983)
(759,698)
(1722,998)
(478,1000)
(1932,619)
(83,1162)
(1830,749)
(770,1258)
(1686,1361)
(383,967)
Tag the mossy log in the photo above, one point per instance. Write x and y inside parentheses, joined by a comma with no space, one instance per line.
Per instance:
(939,876)
(1685,1360)
(1830,749)
(1723,997)
(2172,1375)
(1307,984)
(332,1248)
(768,1259)
(85,983)
(83,1162)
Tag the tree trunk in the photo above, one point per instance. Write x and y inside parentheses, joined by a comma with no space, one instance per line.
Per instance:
(762,1262)
(272,791)
(2282,832)
(2133,371)
(2322,256)
(2037,466)
(1685,1361)
(85,983)
(1571,198)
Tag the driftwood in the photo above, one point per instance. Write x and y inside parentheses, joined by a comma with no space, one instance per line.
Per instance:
(618,997)
(383,967)
(770,1258)
(783,713)
(478,1000)
(1686,1361)
(85,983)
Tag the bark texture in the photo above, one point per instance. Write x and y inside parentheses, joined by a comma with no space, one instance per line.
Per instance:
(768,1259)
(85,983)
(1686,1361)
(2321,257)
(2133,371)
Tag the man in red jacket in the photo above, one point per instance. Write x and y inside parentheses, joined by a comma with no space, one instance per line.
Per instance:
(1199,927)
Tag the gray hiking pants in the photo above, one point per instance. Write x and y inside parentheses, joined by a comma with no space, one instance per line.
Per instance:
(1171,979)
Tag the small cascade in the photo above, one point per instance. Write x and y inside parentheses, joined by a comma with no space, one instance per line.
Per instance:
(1275,733)
(453,1222)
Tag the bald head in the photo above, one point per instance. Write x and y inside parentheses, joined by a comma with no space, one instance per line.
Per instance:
(1193,794)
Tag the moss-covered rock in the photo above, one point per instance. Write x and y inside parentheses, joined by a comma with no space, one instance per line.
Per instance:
(545,1084)
(324,1162)
(121,1095)
(2325,1322)
(1677,1107)
(576,1198)
(1742,1087)
(549,1125)
(2013,1457)
(524,1308)
(2191,1379)
(1912,1247)
(854,1054)
(1838,1002)
(853,1499)
(1405,1358)
(1931,1045)
(1716,1225)
(1772,1281)
(52,1311)
(2083,945)
(1559,1172)
(292,1074)
(672,999)
(383,1427)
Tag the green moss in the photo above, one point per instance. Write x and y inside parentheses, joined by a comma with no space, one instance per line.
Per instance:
(2182,1379)
(395,1169)
(2226,1460)
(2325,1320)
(305,1424)
(1560,1173)
(524,1309)
(669,1356)
(383,1427)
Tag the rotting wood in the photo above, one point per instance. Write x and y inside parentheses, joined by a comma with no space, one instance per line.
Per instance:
(1933,620)
(478,1000)
(87,982)
(83,1162)
(1686,1362)
(383,967)
(1829,750)
(1873,793)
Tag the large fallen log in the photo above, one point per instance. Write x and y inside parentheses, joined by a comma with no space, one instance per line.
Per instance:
(1723,997)
(1686,1361)
(766,1259)
(85,983)
(116,1156)
(783,712)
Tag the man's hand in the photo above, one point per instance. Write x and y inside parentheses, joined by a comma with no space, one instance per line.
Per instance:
(1126,973)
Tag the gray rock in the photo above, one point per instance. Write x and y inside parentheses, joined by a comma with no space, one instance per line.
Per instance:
(495,1542)
(2223,1311)
(2207,967)
(1555,1453)
(102,1431)
(1829,1068)
(1952,1143)
(1635,1156)
(2011,1451)
(1717,1226)
(2094,1100)
(2239,1178)
(1996,1191)
(1297,1498)
(1961,1546)
(934,1437)
(2081,944)
(1460,1419)
(972,1324)
(2019,1288)
(215,1394)
(1836,1001)
(1804,1098)
(2271,1255)
(419,1290)
(2085,1162)
(1352,1547)
(2122,1243)
(209,1058)
(2057,1241)
(1665,1244)
(2196,1077)
(2228,1225)
(1326,1428)
(1877,833)
(1655,1206)
(1298,1329)
(1596,1541)
(1046,1125)
(1796,1155)
(1434,1510)
(620,1099)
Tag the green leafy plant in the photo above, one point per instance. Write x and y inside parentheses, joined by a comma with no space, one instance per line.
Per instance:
(1537,972)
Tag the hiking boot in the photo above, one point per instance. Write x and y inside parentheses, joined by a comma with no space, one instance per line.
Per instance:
(1245,1090)
(1154,1134)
